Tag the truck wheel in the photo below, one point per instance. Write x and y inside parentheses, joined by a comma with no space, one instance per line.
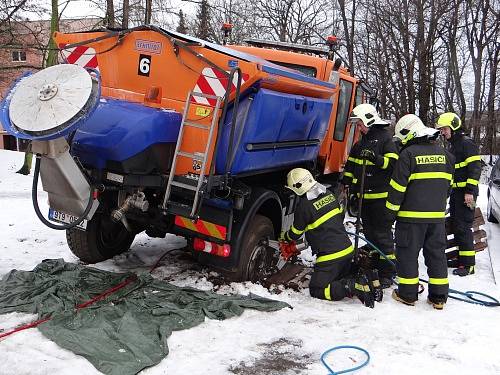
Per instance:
(257,261)
(102,240)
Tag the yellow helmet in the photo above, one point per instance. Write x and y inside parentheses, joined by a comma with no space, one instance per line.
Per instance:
(449,119)
(300,181)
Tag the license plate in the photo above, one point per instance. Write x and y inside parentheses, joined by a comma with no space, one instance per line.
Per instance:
(63,217)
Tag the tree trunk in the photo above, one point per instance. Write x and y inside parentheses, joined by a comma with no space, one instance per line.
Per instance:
(148,12)
(126,14)
(110,13)
(54,26)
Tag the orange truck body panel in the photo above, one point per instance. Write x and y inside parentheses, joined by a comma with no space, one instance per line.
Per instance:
(173,72)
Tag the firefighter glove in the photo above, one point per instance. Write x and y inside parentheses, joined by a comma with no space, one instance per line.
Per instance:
(288,249)
(369,155)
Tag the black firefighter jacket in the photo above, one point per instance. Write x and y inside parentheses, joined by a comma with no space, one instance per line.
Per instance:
(420,183)
(321,220)
(467,163)
(378,174)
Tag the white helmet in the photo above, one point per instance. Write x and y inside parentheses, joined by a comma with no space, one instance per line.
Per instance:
(300,181)
(368,114)
(410,126)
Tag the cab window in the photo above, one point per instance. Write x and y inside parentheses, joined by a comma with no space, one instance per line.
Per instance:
(309,71)
(343,108)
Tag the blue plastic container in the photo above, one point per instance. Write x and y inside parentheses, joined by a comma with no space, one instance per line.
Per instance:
(273,130)
(118,130)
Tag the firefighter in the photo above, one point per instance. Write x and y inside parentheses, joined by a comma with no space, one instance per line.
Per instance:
(419,188)
(465,190)
(380,153)
(319,216)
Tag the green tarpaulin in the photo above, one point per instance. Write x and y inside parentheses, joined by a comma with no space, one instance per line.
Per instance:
(125,332)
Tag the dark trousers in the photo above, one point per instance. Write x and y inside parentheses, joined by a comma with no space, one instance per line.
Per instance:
(328,280)
(378,230)
(461,221)
(410,238)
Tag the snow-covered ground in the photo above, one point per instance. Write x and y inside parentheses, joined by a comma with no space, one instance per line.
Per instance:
(461,339)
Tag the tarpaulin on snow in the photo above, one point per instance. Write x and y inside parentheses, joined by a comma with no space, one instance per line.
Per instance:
(127,331)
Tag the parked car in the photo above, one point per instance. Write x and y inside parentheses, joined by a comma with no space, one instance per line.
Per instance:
(493,210)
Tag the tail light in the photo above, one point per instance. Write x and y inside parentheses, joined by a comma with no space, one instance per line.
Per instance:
(212,248)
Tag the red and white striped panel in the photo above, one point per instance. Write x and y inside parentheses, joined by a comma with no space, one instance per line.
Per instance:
(82,55)
(213,82)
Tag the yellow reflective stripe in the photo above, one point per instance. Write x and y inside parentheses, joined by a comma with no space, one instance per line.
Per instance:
(375,195)
(386,163)
(467,253)
(397,186)
(392,155)
(390,206)
(337,255)
(472,181)
(430,175)
(287,235)
(359,161)
(323,218)
(327,293)
(354,180)
(297,231)
(422,214)
(403,280)
(470,159)
(363,288)
(388,256)
(348,174)
(438,281)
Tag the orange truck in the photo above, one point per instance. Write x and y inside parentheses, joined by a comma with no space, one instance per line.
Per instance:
(196,139)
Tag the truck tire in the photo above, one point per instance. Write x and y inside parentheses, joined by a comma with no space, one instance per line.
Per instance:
(102,240)
(257,260)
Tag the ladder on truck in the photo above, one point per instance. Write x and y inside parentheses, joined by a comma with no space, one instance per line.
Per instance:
(196,183)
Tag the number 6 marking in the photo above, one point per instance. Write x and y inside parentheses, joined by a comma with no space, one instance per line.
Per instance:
(144,65)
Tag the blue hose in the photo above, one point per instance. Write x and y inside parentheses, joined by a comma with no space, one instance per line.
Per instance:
(332,372)
(468,296)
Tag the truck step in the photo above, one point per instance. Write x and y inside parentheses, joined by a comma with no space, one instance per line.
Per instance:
(181,209)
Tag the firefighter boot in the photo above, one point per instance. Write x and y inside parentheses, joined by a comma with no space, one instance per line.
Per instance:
(396,296)
(464,270)
(436,301)
(359,287)
(453,263)
(374,283)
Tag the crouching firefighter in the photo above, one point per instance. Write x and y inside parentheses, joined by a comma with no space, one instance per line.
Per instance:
(464,192)
(420,185)
(379,152)
(320,218)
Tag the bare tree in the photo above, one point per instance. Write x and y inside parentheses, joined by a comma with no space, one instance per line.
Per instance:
(479,34)
(110,13)
(296,21)
(125,14)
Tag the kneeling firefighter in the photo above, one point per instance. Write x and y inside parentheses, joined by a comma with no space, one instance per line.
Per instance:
(320,218)
(420,185)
